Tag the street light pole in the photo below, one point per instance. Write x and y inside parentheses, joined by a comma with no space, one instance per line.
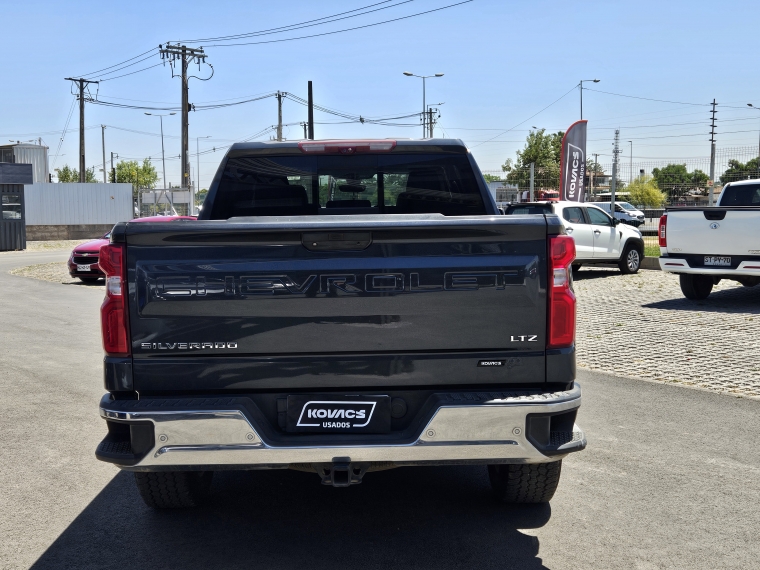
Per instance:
(758,143)
(424,107)
(197,184)
(581,85)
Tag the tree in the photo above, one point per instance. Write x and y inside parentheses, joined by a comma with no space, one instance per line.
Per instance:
(542,149)
(738,171)
(644,192)
(68,174)
(595,167)
(674,178)
(140,176)
(491,178)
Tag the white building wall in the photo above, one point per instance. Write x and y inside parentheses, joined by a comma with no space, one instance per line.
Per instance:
(74,203)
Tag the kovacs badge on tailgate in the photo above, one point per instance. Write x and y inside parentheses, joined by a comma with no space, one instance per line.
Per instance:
(340,414)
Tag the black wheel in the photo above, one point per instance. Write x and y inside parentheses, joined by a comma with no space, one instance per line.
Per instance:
(630,261)
(531,483)
(174,489)
(696,287)
(89,280)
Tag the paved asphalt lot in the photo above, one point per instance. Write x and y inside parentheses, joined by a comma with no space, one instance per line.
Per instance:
(670,479)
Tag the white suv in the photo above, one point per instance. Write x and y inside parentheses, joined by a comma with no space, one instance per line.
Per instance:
(624,212)
(598,237)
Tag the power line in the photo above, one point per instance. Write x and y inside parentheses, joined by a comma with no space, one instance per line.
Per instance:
(529,118)
(116,65)
(344,30)
(309,23)
(648,99)
(132,72)
(65,128)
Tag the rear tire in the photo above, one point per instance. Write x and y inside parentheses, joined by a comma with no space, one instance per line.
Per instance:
(696,287)
(528,483)
(630,261)
(174,489)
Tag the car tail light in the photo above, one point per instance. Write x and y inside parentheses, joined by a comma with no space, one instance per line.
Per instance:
(561,314)
(114,323)
(662,232)
(347,147)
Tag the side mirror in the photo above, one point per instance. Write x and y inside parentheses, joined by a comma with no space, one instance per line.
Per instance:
(615,221)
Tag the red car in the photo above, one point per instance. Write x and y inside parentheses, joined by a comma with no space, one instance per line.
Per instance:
(83,262)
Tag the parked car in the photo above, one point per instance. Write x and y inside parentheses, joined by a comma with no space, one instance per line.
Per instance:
(703,245)
(83,261)
(625,212)
(598,237)
(300,326)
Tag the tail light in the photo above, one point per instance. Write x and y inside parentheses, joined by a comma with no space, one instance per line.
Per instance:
(662,232)
(114,323)
(561,317)
(347,147)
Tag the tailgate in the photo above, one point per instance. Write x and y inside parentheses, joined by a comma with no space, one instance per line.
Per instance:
(714,231)
(330,301)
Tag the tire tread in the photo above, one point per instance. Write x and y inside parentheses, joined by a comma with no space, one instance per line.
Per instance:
(528,483)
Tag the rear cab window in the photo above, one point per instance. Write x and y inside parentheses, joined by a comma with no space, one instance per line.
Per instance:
(528,209)
(574,215)
(395,183)
(741,195)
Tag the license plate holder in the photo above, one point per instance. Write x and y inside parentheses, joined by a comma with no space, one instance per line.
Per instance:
(328,413)
(717,260)
(87,267)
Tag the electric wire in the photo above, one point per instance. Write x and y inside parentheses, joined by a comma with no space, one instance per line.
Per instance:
(63,134)
(344,30)
(301,25)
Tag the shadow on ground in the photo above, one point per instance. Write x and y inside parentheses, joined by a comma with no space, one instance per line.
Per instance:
(738,299)
(597,273)
(403,518)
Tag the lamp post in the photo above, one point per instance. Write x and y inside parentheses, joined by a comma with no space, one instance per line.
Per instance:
(581,86)
(197,184)
(758,143)
(424,107)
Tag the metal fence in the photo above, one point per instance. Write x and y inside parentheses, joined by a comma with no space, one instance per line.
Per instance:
(684,181)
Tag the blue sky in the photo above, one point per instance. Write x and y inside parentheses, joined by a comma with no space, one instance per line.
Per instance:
(503,63)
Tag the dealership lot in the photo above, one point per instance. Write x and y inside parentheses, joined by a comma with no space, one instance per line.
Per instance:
(669,479)
(641,326)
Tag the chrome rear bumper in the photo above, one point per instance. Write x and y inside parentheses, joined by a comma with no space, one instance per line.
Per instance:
(530,428)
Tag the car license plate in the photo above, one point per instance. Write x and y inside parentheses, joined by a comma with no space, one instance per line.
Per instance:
(84,267)
(328,413)
(715,260)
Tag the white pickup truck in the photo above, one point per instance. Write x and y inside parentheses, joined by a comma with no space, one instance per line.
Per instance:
(705,245)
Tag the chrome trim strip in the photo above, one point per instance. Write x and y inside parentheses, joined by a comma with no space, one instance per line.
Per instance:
(493,429)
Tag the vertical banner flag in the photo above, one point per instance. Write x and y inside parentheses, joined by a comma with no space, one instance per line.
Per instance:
(572,170)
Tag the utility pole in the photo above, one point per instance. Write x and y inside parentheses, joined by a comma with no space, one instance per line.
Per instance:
(311,114)
(430,122)
(81,84)
(615,152)
(591,175)
(305,132)
(186,55)
(113,170)
(630,174)
(712,152)
(279,116)
(532,196)
(103,136)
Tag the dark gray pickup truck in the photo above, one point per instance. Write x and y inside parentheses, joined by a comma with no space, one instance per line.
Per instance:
(340,307)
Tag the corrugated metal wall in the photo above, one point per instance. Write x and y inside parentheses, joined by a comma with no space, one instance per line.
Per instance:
(67,204)
(35,155)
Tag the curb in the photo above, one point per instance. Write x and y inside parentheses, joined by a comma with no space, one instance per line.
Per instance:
(650,263)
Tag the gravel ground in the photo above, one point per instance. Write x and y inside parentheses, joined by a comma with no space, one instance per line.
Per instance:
(641,326)
(55,245)
(56,272)
(636,326)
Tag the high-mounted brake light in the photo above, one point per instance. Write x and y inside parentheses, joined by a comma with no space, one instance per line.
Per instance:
(662,232)
(114,323)
(561,313)
(347,147)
